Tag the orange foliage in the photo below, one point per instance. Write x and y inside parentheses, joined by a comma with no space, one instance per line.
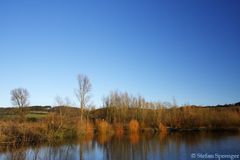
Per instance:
(133,126)
(103,127)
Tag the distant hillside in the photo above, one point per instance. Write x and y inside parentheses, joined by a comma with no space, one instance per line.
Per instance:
(227,105)
(54,108)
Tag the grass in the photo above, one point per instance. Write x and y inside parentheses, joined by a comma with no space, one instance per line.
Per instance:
(34,115)
(31,116)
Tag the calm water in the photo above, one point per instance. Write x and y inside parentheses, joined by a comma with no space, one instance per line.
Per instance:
(179,146)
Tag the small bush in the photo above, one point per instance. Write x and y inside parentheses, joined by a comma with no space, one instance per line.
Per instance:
(133,126)
(103,127)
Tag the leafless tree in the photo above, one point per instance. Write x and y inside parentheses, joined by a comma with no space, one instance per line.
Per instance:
(83,92)
(20,98)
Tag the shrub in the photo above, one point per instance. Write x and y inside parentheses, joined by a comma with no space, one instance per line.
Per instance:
(133,126)
(103,127)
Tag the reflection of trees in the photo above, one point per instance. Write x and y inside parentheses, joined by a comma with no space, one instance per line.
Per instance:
(35,153)
(16,155)
(81,151)
(62,152)
(69,151)
(130,147)
(58,152)
(158,147)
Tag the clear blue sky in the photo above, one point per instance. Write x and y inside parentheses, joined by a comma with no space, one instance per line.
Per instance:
(189,50)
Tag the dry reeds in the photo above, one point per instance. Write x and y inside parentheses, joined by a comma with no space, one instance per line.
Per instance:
(23,133)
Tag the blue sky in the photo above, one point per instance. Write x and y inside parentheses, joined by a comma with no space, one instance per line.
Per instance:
(189,50)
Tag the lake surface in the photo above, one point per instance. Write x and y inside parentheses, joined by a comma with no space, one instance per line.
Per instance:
(174,146)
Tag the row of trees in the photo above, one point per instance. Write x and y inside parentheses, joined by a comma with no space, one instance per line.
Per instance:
(20,96)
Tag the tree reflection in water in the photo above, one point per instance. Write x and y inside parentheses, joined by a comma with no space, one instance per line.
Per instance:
(130,147)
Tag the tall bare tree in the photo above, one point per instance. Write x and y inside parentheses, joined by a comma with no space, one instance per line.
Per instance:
(20,98)
(83,92)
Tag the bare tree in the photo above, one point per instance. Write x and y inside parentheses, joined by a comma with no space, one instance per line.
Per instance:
(20,98)
(83,92)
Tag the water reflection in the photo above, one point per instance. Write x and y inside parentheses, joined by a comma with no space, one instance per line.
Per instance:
(134,138)
(131,147)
